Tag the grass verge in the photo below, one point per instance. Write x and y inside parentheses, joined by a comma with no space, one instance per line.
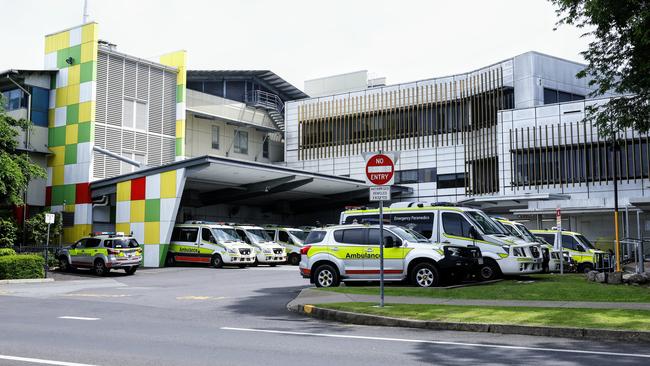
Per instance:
(616,319)
(552,287)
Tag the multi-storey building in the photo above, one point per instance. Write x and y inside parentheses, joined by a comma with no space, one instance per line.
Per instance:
(509,138)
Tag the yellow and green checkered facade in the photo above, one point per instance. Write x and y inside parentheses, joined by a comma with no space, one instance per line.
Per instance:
(146,207)
(178,60)
(73,53)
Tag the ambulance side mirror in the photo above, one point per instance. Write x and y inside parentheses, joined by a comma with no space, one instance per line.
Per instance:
(474,234)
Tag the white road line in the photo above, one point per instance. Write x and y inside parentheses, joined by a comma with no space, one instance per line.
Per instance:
(77,318)
(41,361)
(559,350)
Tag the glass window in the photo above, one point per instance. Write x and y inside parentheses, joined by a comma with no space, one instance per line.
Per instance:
(271,233)
(455,224)
(241,142)
(93,243)
(486,224)
(422,222)
(225,234)
(127,113)
(283,236)
(406,176)
(299,234)
(585,241)
(455,180)
(215,137)
(81,244)
(259,235)
(373,236)
(315,237)
(141,116)
(570,242)
(243,236)
(353,236)
(549,238)
(13,99)
(187,234)
(206,235)
(265,148)
(121,243)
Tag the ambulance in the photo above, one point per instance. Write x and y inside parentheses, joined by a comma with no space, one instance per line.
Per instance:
(291,239)
(446,223)
(208,242)
(266,250)
(582,252)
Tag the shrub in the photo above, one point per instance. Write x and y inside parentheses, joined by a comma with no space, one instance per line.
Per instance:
(21,266)
(7,251)
(37,229)
(7,232)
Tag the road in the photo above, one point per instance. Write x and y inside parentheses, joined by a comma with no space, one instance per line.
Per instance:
(205,316)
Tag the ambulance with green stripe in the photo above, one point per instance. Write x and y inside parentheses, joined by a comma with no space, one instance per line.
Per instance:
(102,252)
(291,239)
(345,253)
(462,226)
(551,256)
(583,254)
(208,242)
(266,250)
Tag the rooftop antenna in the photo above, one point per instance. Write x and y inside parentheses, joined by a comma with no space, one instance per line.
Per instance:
(85,15)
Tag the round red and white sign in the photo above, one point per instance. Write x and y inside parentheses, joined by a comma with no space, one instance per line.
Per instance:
(380,169)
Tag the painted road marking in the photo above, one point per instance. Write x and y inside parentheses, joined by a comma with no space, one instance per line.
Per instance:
(499,346)
(41,361)
(77,318)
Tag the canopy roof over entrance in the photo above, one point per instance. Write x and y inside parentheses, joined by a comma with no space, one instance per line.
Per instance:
(505,203)
(212,180)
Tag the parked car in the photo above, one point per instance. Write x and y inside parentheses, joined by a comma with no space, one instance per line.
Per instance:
(102,252)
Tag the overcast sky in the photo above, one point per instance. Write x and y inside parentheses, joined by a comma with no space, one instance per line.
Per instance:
(402,40)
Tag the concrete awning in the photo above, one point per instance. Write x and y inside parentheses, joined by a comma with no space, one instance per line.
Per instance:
(212,180)
(510,202)
(642,203)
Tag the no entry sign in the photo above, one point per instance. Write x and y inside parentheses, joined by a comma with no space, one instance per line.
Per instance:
(380,169)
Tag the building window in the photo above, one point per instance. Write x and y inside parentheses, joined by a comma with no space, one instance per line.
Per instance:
(13,99)
(134,114)
(557,96)
(265,148)
(241,142)
(215,137)
(424,175)
(455,180)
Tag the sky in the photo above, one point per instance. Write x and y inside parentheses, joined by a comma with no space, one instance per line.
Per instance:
(402,40)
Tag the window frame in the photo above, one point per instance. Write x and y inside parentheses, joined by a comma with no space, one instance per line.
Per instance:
(218,142)
(237,148)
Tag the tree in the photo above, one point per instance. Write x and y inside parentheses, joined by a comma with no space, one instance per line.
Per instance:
(618,59)
(17,168)
(7,232)
(36,229)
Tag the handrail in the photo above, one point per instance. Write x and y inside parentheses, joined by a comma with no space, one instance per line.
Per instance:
(265,100)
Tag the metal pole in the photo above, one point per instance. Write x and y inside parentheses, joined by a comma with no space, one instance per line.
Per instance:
(381,254)
(617,243)
(639,246)
(47,245)
(85,15)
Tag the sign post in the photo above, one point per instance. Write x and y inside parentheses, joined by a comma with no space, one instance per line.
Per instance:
(558,237)
(49,220)
(380,171)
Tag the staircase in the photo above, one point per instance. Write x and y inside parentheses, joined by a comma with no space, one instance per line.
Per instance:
(271,103)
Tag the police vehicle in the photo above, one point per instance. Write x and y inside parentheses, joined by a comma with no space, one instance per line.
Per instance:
(551,256)
(291,239)
(462,226)
(102,252)
(351,253)
(206,242)
(266,250)
(583,254)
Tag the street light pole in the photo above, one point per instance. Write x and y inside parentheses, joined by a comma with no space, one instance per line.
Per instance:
(617,243)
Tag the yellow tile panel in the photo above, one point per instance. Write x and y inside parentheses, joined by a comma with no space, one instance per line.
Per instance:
(89,32)
(124,227)
(86,111)
(71,134)
(50,117)
(73,93)
(61,96)
(180,128)
(88,51)
(57,157)
(73,74)
(57,175)
(137,211)
(168,184)
(152,232)
(124,191)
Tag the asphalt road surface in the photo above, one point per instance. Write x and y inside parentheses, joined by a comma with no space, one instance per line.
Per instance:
(232,316)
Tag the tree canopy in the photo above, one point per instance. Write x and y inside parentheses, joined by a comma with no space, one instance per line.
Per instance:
(618,59)
(17,168)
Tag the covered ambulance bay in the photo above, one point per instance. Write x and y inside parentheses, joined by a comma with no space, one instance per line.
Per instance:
(148,202)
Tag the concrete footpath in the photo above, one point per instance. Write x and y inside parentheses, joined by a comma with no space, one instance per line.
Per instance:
(304,304)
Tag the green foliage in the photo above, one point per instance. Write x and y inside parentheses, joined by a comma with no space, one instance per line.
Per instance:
(17,169)
(7,251)
(21,266)
(37,229)
(618,59)
(7,232)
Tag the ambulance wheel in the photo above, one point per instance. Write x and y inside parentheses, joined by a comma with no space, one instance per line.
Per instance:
(216,261)
(131,270)
(585,268)
(100,268)
(425,275)
(489,270)
(64,265)
(326,276)
(170,261)
(294,259)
